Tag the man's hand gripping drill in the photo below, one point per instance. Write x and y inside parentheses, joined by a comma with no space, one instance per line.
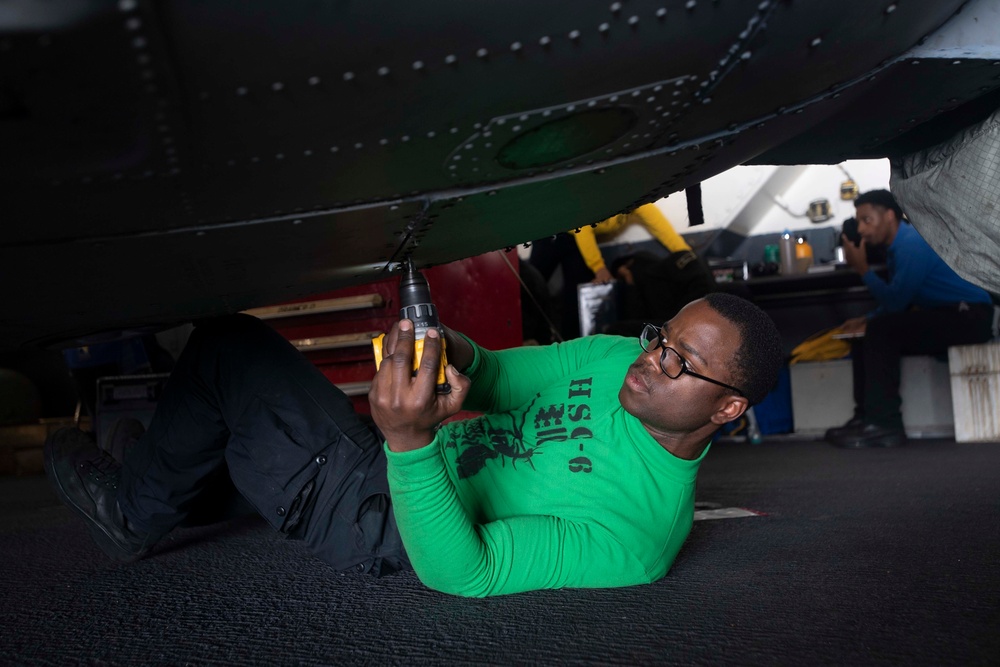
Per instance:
(407,407)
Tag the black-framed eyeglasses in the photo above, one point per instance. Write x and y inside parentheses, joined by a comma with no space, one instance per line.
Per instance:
(672,363)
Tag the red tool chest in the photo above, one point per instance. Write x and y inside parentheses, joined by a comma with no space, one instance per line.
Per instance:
(479,296)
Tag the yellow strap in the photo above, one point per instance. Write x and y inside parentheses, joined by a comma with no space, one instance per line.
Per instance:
(821,346)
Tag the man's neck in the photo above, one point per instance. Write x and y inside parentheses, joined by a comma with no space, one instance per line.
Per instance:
(893,234)
(687,446)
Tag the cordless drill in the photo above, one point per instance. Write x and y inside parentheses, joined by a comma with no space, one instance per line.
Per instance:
(415,305)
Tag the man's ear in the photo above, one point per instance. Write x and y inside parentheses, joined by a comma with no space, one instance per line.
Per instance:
(732,408)
(895,218)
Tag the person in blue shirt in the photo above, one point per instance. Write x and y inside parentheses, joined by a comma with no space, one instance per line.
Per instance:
(924,308)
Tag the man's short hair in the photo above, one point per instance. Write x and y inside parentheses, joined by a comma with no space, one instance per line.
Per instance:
(760,356)
(881,198)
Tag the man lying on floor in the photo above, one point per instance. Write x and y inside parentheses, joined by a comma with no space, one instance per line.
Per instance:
(580,472)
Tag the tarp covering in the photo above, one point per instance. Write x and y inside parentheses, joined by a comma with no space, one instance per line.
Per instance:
(951,194)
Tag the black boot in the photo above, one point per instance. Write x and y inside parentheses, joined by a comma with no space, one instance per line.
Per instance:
(86,479)
(838,432)
(871,435)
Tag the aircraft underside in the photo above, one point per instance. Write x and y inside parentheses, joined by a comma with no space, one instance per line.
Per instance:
(166,160)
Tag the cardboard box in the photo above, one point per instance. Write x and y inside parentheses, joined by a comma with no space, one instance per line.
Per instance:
(21,444)
(125,396)
(975,391)
(598,306)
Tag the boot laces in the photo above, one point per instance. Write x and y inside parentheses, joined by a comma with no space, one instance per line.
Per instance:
(103,470)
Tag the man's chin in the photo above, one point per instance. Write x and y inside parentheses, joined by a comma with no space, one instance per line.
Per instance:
(626,397)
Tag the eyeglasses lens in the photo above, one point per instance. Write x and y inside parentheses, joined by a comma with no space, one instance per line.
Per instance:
(649,338)
(670,362)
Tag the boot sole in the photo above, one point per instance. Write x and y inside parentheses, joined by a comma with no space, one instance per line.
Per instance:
(887,443)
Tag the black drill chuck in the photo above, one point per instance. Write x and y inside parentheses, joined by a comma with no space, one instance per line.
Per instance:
(415,305)
(415,301)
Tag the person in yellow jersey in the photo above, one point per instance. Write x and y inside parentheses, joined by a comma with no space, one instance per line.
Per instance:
(648,215)
(651,287)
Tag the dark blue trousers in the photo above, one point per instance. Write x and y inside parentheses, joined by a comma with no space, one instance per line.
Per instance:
(242,396)
(877,357)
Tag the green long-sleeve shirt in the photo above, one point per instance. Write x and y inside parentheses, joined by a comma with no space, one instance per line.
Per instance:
(555,486)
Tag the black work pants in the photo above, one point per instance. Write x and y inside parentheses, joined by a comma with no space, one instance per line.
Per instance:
(241,395)
(561,250)
(877,356)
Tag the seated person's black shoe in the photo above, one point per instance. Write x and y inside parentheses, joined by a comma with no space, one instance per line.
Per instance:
(86,479)
(871,435)
(852,425)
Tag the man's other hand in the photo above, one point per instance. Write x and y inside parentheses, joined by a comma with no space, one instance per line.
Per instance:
(856,257)
(625,273)
(602,275)
(406,408)
(854,325)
